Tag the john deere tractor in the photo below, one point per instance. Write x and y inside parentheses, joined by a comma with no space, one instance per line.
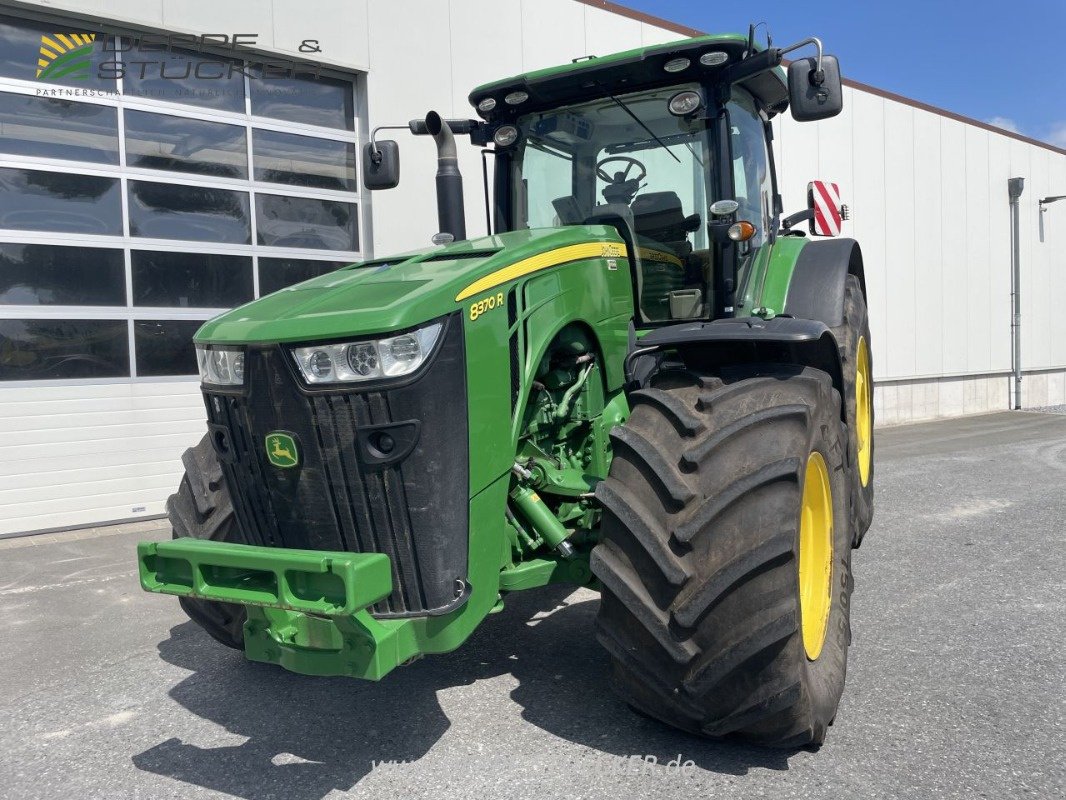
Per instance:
(646,381)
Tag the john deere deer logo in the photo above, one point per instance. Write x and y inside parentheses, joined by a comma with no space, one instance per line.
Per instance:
(281,450)
(65,55)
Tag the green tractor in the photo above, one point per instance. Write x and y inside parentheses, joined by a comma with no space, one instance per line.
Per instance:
(646,381)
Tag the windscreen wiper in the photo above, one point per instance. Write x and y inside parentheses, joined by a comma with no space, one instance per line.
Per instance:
(640,122)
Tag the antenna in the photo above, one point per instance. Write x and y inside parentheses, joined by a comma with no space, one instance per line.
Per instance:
(751,36)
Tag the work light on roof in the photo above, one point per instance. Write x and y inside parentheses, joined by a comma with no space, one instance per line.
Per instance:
(487,104)
(515,98)
(676,64)
(505,136)
(714,58)
(684,103)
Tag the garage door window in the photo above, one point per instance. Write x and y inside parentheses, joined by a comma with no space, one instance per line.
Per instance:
(50,275)
(36,200)
(21,42)
(181,144)
(277,273)
(50,349)
(45,127)
(190,280)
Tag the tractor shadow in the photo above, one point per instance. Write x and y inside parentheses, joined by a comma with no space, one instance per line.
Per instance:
(307,737)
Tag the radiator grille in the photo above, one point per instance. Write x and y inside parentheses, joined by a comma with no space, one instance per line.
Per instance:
(414,510)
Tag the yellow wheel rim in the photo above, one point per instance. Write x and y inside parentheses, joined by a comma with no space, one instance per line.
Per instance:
(815,554)
(863,411)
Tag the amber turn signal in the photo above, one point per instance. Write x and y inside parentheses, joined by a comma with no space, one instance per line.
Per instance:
(741,231)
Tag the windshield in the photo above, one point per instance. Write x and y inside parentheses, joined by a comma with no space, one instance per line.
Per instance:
(626,161)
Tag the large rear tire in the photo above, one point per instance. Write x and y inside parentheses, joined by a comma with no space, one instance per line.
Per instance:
(856,361)
(726,554)
(202,509)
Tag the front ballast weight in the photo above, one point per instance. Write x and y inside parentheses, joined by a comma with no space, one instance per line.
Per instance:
(307,609)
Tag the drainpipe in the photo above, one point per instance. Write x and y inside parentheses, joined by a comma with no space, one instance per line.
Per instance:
(1014,191)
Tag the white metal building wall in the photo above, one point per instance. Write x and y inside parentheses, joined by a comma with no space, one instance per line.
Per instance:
(928,196)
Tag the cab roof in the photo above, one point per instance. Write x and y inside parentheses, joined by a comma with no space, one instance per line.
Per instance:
(631,71)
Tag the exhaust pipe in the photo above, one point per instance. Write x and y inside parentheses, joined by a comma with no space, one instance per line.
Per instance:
(451,215)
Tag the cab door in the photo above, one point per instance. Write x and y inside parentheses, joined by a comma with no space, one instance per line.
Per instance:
(753,185)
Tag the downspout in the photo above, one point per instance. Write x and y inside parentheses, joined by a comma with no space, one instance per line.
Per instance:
(1014,191)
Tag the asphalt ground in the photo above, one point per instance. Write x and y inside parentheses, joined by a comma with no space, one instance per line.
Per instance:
(955,684)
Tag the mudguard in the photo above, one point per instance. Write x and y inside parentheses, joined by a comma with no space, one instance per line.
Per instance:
(705,346)
(816,288)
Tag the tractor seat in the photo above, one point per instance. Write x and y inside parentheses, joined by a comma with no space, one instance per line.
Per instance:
(658,216)
(620,217)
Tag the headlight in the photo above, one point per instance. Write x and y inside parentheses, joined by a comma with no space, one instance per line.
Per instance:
(369,359)
(220,366)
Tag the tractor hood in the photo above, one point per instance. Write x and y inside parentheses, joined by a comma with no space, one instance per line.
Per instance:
(388,294)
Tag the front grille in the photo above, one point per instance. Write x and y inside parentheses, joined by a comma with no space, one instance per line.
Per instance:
(341,496)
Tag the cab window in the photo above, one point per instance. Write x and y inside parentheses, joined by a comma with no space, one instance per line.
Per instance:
(626,161)
(751,169)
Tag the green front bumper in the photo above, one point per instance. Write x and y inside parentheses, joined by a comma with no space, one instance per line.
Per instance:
(307,609)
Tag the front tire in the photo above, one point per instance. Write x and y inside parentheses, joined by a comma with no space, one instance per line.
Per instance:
(725,588)
(202,509)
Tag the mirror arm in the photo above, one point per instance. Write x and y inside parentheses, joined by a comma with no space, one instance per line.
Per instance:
(818,78)
(752,65)
(418,128)
(799,216)
(375,154)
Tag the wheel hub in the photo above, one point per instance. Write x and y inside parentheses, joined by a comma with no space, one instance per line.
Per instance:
(863,417)
(815,554)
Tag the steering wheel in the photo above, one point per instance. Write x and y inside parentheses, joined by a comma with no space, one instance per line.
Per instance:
(623,175)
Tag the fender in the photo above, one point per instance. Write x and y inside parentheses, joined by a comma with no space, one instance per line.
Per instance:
(704,346)
(816,288)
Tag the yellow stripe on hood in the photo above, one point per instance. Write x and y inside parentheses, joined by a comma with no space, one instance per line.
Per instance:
(541,261)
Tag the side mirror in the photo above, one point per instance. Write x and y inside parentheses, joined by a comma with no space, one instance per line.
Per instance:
(813,95)
(381,167)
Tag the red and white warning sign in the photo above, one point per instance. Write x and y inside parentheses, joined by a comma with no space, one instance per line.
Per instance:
(824,198)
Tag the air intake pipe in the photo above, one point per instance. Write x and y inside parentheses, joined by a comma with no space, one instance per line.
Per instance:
(451,215)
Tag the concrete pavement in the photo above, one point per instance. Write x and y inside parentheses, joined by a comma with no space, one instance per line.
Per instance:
(955,682)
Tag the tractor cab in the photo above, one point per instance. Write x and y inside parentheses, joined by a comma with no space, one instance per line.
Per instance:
(630,163)
(670,146)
